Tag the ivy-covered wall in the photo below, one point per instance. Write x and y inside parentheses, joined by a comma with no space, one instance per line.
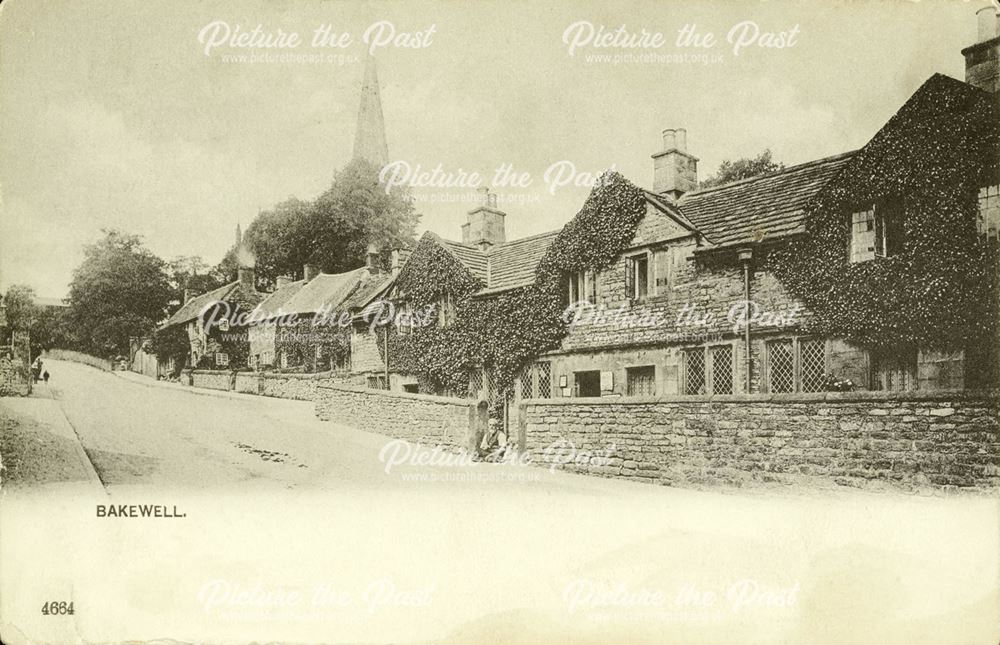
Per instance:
(940,292)
(505,331)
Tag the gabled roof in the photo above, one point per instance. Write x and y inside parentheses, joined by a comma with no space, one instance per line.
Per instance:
(323,291)
(369,286)
(670,209)
(192,308)
(771,205)
(513,264)
(275,304)
(470,256)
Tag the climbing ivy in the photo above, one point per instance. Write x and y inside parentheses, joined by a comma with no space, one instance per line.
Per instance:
(506,331)
(940,292)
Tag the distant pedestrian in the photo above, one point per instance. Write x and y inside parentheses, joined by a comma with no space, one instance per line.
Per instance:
(45,376)
(36,369)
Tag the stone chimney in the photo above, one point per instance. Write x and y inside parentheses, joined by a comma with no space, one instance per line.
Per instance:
(982,60)
(373,259)
(282,281)
(675,172)
(484,226)
(247,277)
(397,259)
(309,271)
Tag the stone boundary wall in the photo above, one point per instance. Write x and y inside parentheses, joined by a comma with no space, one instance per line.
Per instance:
(211,379)
(908,440)
(301,387)
(78,357)
(418,418)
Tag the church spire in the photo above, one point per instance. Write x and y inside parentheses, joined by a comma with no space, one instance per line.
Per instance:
(369,138)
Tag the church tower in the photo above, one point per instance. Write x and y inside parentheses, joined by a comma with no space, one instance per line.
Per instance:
(369,138)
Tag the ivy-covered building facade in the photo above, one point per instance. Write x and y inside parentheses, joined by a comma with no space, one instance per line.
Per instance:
(874,269)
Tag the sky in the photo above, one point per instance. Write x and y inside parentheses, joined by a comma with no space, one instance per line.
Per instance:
(138,116)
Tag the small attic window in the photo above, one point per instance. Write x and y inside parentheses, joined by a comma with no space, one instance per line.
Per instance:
(877,231)
(988,219)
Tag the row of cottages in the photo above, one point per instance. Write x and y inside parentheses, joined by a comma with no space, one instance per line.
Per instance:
(325,322)
(699,255)
(215,323)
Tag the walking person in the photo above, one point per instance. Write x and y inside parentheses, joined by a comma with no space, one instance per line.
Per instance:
(45,377)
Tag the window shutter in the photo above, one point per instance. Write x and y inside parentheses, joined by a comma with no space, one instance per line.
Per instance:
(630,277)
(863,235)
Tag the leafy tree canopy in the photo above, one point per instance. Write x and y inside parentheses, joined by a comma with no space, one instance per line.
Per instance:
(333,231)
(744,168)
(119,290)
(20,308)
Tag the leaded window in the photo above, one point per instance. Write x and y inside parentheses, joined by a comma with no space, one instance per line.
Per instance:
(694,371)
(780,366)
(641,381)
(812,356)
(722,369)
(544,380)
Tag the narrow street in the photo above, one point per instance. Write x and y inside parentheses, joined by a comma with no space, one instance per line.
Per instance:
(269,499)
(138,433)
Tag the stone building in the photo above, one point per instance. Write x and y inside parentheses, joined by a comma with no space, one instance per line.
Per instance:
(216,322)
(312,325)
(692,306)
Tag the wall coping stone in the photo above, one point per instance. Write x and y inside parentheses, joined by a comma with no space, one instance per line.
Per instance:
(990,396)
(301,375)
(431,398)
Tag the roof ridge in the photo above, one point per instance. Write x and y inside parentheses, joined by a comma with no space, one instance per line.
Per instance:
(783,171)
(525,239)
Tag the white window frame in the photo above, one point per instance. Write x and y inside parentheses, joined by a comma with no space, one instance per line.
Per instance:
(584,286)
(632,274)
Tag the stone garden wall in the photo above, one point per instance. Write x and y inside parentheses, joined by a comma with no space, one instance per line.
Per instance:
(418,418)
(870,439)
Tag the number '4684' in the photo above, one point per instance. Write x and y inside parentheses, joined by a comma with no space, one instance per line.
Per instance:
(53,608)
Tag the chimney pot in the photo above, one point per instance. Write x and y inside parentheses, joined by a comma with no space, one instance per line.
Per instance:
(187,295)
(669,139)
(675,171)
(982,59)
(988,21)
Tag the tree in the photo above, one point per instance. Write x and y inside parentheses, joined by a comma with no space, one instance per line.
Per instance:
(334,231)
(119,290)
(21,312)
(190,272)
(744,168)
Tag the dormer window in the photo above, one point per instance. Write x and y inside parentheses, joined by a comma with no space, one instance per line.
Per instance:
(877,231)
(988,220)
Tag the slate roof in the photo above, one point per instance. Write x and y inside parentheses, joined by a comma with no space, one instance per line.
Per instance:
(772,204)
(368,287)
(470,256)
(513,264)
(192,308)
(275,304)
(323,291)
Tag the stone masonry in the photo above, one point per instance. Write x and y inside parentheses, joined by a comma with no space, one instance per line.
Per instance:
(418,418)
(906,440)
